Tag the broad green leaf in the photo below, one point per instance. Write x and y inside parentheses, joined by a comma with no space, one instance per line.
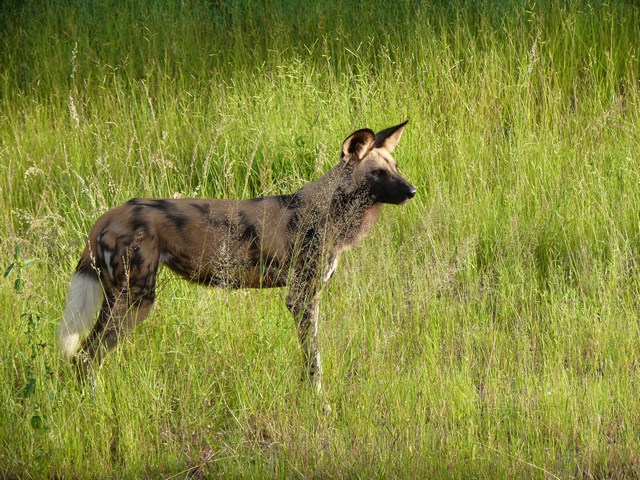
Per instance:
(37,422)
(9,268)
(29,388)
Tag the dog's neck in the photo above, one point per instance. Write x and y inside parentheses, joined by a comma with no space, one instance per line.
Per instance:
(349,212)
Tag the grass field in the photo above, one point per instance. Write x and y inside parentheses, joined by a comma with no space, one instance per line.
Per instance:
(488,329)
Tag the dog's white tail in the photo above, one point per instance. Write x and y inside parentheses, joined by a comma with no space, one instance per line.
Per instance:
(79,316)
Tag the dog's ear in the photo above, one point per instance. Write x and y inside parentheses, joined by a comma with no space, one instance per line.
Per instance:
(389,137)
(358,145)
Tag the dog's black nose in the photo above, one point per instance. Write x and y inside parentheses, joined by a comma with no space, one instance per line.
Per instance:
(412,192)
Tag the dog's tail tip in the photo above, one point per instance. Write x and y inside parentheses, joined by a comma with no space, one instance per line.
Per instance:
(67,342)
(84,300)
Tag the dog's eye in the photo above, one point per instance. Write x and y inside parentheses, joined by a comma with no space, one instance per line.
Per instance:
(379,172)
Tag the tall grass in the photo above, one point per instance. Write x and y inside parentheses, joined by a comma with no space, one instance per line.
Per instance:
(487,329)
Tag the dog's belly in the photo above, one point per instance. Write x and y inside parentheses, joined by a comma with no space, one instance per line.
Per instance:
(230,272)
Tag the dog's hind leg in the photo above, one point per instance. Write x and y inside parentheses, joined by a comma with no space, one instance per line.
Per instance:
(125,306)
(117,317)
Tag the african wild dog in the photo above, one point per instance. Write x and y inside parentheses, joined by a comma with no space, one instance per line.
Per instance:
(266,242)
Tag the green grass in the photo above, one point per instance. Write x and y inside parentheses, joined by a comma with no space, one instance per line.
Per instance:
(487,329)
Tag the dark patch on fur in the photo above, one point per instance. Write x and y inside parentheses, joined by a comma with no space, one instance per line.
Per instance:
(178,220)
(203,208)
(137,210)
(138,222)
(271,271)
(310,237)
(294,220)
(136,260)
(270,262)
(291,201)
(248,231)
(150,296)
(145,288)
(158,204)
(220,222)
(172,213)
(85,268)
(178,265)
(151,271)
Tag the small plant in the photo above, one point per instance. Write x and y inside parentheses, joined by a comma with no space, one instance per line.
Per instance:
(32,370)
(18,264)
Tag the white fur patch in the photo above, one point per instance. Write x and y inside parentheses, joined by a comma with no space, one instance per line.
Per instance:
(331,269)
(107,261)
(84,300)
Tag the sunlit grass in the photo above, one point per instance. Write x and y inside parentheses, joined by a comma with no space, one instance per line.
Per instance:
(489,328)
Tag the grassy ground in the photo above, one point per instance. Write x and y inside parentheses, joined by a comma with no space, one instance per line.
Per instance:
(487,329)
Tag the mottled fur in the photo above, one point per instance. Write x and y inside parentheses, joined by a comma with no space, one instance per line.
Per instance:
(286,240)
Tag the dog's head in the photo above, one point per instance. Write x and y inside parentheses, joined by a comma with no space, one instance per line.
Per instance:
(373,169)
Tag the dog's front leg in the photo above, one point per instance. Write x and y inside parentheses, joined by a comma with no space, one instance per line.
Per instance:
(303,305)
